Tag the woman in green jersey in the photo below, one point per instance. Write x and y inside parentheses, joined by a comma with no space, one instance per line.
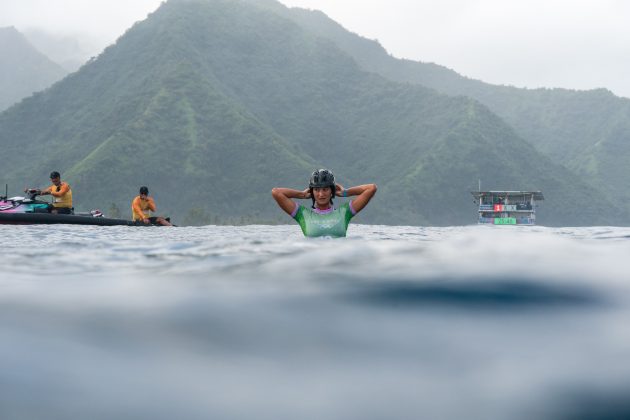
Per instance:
(322,219)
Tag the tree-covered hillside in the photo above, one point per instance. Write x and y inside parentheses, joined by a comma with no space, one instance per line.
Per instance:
(586,131)
(23,69)
(211,103)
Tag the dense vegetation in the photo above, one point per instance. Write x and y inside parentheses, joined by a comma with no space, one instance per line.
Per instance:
(586,131)
(211,103)
(23,69)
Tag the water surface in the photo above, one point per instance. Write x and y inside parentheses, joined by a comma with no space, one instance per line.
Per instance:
(258,322)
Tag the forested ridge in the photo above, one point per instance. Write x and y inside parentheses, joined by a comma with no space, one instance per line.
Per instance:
(588,132)
(211,103)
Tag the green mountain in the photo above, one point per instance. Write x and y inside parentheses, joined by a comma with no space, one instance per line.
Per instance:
(23,69)
(586,131)
(211,103)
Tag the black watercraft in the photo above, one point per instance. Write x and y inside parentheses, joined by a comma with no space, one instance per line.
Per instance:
(31,211)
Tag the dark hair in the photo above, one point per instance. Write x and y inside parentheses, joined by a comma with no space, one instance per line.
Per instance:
(332,194)
(144,190)
(55,174)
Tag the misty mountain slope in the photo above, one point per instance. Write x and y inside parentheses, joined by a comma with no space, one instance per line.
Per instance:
(23,69)
(192,144)
(583,130)
(134,118)
(485,150)
(69,51)
(213,102)
(301,100)
(606,161)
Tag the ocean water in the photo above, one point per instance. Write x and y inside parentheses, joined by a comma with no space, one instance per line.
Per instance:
(257,322)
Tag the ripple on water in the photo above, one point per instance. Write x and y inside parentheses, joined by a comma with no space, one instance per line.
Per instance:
(259,322)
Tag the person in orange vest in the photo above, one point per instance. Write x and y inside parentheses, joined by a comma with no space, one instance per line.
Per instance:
(142,206)
(61,193)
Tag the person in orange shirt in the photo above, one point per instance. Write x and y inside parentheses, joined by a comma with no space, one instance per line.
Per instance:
(142,206)
(61,193)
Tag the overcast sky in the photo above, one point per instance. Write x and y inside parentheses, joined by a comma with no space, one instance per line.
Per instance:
(575,44)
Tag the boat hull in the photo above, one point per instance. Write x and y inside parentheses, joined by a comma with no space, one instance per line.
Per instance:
(55,219)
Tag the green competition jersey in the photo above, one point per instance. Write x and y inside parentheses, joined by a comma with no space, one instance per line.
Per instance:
(324,223)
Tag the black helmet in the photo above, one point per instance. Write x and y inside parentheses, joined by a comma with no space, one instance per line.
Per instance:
(322,178)
(144,190)
(54,174)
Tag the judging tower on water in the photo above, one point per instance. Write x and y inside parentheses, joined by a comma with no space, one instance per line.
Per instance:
(507,207)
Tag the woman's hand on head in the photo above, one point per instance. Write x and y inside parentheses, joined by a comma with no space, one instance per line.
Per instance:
(339,190)
(306,193)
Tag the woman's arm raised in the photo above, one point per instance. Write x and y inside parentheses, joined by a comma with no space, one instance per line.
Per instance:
(364,192)
(283,197)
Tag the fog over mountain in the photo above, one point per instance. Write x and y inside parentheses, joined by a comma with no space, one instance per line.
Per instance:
(23,69)
(71,32)
(574,45)
(69,51)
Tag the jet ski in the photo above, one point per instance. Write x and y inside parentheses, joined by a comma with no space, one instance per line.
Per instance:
(30,210)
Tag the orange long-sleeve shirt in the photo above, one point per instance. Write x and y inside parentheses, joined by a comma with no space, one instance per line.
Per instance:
(140,208)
